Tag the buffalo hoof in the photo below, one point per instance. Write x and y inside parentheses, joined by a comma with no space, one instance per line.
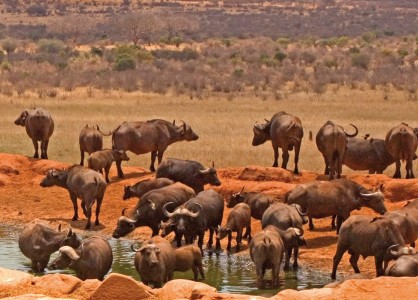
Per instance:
(75,218)
(36,156)
(295,267)
(97,223)
(286,268)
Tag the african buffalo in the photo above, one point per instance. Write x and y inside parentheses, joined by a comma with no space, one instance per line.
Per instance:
(406,219)
(238,219)
(38,241)
(258,202)
(369,236)
(142,187)
(92,260)
(90,140)
(149,209)
(404,266)
(319,199)
(189,172)
(103,159)
(402,142)
(285,131)
(151,136)
(331,141)
(371,155)
(82,183)
(39,127)
(193,218)
(189,257)
(155,261)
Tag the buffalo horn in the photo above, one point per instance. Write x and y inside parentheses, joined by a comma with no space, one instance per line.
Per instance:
(166,212)
(205,171)
(299,211)
(128,220)
(138,249)
(353,134)
(258,126)
(104,134)
(241,190)
(59,227)
(391,251)
(213,164)
(298,231)
(70,252)
(368,196)
(123,211)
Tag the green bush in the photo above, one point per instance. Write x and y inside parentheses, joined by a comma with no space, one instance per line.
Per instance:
(284,42)
(2,56)
(360,60)
(177,40)
(184,55)
(124,62)
(280,55)
(144,55)
(6,66)
(238,73)
(227,42)
(403,52)
(9,46)
(52,46)
(96,51)
(369,36)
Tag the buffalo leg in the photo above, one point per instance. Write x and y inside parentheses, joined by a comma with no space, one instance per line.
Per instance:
(98,205)
(74,201)
(160,155)
(297,151)
(88,211)
(340,220)
(379,266)
(326,171)
(398,169)
(409,169)
(288,254)
(275,275)
(83,207)
(107,169)
(276,156)
(228,247)
(44,149)
(210,241)
(201,271)
(82,157)
(195,272)
(353,261)
(153,156)
(248,232)
(119,168)
(295,258)
(333,221)
(311,225)
(336,260)
(35,145)
(285,156)
(200,241)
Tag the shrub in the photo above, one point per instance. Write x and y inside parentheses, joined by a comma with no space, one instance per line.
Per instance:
(124,62)
(308,57)
(184,55)
(96,51)
(2,56)
(37,10)
(403,52)
(238,73)
(226,42)
(9,46)
(177,40)
(280,55)
(360,60)
(144,55)
(6,66)
(52,46)
(369,36)
(284,42)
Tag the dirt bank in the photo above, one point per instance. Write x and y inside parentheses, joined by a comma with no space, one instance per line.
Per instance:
(23,200)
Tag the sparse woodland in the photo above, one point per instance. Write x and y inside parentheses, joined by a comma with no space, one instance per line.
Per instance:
(265,50)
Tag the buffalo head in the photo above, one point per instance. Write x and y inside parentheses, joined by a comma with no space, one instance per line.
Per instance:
(66,258)
(127,192)
(125,225)
(210,176)
(235,199)
(52,178)
(187,133)
(21,120)
(373,200)
(261,133)
(150,252)
(395,251)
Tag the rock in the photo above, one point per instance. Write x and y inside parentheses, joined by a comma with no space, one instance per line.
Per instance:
(61,283)
(357,276)
(42,166)
(11,277)
(401,189)
(35,297)
(184,289)
(118,286)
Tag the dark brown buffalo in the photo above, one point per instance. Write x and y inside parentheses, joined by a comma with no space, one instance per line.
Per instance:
(238,219)
(142,187)
(151,136)
(189,172)
(103,159)
(155,261)
(367,154)
(319,199)
(369,236)
(149,209)
(38,241)
(404,266)
(402,142)
(331,141)
(82,183)
(90,140)
(258,202)
(39,127)
(285,131)
(92,260)
(406,219)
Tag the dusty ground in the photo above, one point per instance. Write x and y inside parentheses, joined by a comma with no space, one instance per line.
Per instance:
(22,200)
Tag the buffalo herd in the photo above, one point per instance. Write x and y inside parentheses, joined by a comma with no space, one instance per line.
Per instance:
(176,201)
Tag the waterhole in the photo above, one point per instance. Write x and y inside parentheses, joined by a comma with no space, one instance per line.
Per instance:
(228,273)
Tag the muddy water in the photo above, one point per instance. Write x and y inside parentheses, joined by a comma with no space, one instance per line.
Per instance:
(229,273)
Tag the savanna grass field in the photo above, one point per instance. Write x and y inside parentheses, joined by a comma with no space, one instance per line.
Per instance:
(225,127)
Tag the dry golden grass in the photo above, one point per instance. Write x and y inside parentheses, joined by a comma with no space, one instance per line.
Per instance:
(224,126)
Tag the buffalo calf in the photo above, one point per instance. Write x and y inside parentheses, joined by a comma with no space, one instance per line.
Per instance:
(103,159)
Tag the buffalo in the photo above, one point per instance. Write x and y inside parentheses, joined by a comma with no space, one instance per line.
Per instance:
(404,266)
(189,257)
(90,140)
(285,131)
(189,172)
(369,236)
(151,136)
(144,186)
(155,261)
(92,260)
(367,154)
(319,199)
(82,183)
(258,202)
(238,219)
(331,141)
(38,241)
(149,209)
(39,127)
(203,212)
(103,159)
(402,142)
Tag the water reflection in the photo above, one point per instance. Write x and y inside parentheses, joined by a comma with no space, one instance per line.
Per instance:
(229,273)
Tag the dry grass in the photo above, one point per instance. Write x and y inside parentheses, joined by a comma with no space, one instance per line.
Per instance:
(224,126)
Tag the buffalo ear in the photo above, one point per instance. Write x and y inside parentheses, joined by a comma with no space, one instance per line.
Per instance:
(381,188)
(59,227)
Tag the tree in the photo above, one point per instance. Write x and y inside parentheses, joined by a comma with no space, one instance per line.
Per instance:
(73,26)
(139,26)
(13,5)
(175,25)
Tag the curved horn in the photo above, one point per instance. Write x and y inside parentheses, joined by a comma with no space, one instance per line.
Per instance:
(166,212)
(138,249)
(213,164)
(298,231)
(368,196)
(266,120)
(391,251)
(126,219)
(123,211)
(258,126)
(70,232)
(241,190)
(205,171)
(353,134)
(70,252)
(300,211)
